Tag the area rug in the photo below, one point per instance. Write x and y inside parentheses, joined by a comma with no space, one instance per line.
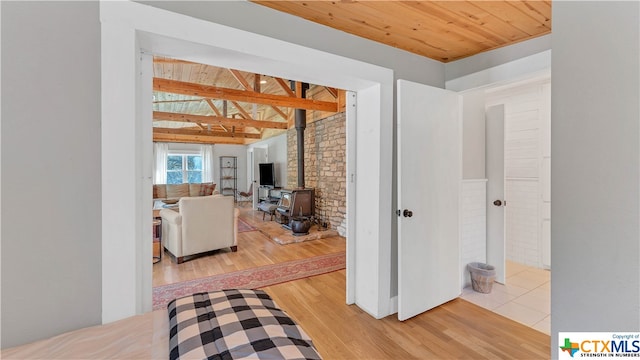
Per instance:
(251,278)
(243,226)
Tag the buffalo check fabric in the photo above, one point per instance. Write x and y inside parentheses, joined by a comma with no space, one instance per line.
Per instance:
(234,324)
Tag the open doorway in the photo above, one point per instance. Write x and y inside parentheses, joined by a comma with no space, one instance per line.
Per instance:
(518,200)
(125,213)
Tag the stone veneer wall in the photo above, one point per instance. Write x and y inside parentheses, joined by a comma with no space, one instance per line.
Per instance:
(325,154)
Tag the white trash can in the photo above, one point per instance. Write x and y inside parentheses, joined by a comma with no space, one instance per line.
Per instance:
(482,277)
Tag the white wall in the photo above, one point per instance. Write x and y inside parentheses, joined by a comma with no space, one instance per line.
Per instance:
(473,225)
(595,184)
(473,134)
(51,177)
(239,151)
(277,153)
(494,58)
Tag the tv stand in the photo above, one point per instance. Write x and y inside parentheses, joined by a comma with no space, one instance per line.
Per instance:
(271,194)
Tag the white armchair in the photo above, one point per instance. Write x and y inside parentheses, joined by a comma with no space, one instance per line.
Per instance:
(201,224)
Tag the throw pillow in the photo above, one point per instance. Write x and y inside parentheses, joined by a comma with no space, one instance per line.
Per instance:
(160,191)
(207,189)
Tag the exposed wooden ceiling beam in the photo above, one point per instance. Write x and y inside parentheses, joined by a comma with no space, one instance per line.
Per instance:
(285,87)
(193,132)
(242,111)
(280,112)
(180,87)
(197,139)
(213,107)
(332,91)
(238,76)
(217,120)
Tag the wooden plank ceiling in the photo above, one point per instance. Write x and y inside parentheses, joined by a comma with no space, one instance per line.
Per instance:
(440,30)
(197,103)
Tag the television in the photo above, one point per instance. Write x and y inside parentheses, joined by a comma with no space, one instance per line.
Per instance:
(267,174)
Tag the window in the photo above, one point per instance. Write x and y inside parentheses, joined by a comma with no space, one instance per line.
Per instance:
(184,168)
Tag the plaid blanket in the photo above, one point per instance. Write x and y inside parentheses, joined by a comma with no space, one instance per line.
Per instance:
(234,324)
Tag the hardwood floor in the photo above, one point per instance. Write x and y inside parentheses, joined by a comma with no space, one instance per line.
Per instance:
(455,330)
(254,249)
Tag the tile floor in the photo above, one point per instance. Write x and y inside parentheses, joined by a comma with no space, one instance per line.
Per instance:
(526,298)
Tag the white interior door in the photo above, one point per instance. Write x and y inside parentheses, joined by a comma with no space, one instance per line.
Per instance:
(429,176)
(495,190)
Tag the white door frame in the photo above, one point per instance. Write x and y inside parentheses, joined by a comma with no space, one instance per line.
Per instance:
(129,29)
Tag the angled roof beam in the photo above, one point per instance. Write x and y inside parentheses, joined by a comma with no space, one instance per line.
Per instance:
(238,76)
(332,91)
(213,107)
(241,110)
(285,87)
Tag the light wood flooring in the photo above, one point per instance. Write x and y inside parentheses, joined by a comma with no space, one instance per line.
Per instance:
(455,330)
(254,249)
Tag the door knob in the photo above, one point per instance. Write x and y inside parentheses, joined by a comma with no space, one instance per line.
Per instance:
(497,203)
(407,213)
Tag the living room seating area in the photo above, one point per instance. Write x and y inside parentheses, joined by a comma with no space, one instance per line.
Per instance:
(176,191)
(199,225)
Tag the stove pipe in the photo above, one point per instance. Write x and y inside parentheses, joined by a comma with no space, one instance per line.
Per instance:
(300,124)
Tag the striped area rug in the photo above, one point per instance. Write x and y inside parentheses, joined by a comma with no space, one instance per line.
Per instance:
(251,278)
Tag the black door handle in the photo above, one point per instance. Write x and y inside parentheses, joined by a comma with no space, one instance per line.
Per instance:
(407,213)
(497,203)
